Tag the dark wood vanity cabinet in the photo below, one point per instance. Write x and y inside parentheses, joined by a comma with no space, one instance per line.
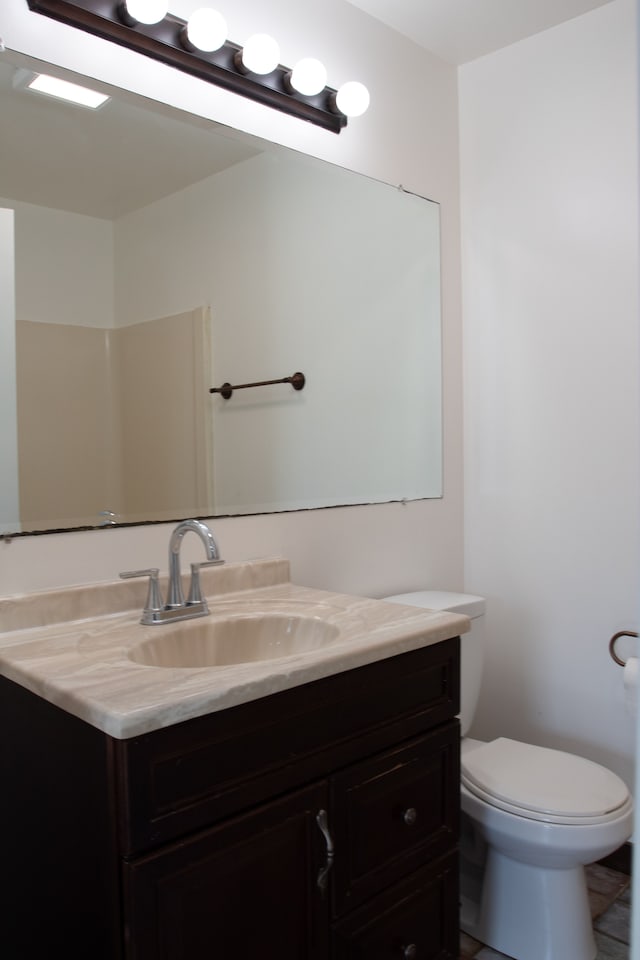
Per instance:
(318,823)
(242,889)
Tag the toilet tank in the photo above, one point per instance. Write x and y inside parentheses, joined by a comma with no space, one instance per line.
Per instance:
(472,644)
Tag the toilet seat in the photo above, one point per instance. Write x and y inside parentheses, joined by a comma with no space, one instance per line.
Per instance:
(539,783)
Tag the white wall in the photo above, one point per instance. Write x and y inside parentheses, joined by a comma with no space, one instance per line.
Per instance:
(272,220)
(72,257)
(408,137)
(550,255)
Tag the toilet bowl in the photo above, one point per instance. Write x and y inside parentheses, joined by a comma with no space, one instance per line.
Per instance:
(533,902)
(532,818)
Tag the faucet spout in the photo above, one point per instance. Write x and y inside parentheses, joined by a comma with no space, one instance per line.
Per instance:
(175,597)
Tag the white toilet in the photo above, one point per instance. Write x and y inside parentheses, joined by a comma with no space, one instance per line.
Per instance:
(532,818)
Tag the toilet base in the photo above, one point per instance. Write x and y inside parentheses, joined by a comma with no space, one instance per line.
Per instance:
(533,913)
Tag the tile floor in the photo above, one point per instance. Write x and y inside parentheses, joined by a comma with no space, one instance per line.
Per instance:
(610,898)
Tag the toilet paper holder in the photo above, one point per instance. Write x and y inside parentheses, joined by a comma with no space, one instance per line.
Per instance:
(612,645)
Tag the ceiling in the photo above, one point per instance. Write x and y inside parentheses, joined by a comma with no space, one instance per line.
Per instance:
(102,163)
(461,30)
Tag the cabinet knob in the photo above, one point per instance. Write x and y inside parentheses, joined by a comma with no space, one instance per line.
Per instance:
(410,952)
(410,816)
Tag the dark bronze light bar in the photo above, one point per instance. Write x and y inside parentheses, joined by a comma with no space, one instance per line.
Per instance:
(164,41)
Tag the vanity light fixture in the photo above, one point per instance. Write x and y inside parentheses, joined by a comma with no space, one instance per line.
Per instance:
(63,90)
(200,47)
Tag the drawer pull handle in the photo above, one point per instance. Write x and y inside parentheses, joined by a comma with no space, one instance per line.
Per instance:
(410,816)
(323,825)
(410,952)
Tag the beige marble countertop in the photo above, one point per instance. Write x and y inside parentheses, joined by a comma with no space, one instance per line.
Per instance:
(72,647)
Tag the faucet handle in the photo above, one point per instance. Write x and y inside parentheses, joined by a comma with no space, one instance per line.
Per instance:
(195,592)
(154,600)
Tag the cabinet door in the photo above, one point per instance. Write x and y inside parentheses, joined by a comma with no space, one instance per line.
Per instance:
(248,888)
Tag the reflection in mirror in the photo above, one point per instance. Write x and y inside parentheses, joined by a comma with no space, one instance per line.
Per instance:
(147,256)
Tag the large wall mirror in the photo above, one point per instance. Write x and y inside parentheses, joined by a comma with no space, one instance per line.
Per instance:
(146,256)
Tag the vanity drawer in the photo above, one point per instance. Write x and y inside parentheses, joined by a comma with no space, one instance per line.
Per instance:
(417,919)
(393,813)
(190,775)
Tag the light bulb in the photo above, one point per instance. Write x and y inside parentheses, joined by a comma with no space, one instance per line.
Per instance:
(207,29)
(309,76)
(147,11)
(352,98)
(261,54)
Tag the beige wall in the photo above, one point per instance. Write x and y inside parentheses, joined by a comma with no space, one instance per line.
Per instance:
(113,420)
(162,374)
(65,451)
(9,497)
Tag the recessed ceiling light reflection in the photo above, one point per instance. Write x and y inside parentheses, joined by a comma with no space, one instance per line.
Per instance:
(64,90)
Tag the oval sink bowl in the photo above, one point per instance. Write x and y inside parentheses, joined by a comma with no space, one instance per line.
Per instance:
(240,639)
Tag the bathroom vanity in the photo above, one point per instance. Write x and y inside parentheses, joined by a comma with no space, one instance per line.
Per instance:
(305,807)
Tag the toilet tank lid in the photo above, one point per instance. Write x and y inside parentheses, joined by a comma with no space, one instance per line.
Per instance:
(464,603)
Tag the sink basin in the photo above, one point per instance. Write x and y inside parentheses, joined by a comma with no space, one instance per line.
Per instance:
(237,639)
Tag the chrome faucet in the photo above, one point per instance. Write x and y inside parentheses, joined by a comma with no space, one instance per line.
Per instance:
(176,607)
(175,598)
